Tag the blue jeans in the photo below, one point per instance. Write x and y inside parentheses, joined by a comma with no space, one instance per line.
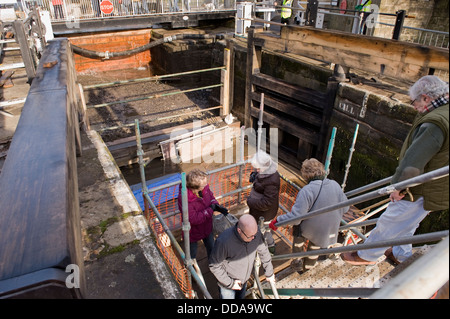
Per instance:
(209,244)
(226,293)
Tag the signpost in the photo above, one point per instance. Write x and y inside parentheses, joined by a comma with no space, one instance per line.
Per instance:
(106,7)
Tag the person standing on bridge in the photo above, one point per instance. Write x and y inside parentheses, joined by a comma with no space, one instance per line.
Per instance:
(201,206)
(234,255)
(286,13)
(425,149)
(320,231)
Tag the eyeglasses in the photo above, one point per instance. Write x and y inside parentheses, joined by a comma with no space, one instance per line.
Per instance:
(414,101)
(249,237)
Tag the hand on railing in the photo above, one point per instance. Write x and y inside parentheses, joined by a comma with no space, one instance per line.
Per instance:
(272,224)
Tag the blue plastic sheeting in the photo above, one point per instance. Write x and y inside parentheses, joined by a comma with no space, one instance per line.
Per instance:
(160,196)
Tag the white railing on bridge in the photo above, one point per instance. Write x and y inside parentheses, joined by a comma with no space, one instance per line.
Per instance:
(69,10)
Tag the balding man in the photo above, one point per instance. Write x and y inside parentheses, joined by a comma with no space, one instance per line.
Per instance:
(234,254)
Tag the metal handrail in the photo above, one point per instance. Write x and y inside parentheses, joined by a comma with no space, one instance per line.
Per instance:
(421,279)
(436,174)
(368,187)
(417,239)
(151,78)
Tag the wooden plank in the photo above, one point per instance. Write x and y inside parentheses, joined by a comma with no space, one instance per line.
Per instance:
(305,95)
(225,92)
(299,110)
(397,59)
(254,57)
(39,212)
(286,125)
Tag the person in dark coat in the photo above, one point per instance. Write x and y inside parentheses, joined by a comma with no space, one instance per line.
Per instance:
(264,196)
(201,206)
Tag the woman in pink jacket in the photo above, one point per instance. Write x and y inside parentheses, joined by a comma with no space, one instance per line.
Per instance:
(201,206)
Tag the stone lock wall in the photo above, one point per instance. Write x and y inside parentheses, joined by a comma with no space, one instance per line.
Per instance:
(383,125)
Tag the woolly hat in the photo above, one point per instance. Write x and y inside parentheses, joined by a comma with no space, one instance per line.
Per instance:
(262,160)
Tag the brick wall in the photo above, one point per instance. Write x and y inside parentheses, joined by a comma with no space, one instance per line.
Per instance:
(112,42)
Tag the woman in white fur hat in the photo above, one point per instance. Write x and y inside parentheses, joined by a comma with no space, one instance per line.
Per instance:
(264,196)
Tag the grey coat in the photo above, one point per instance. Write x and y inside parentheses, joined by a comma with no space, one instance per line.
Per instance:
(232,258)
(322,230)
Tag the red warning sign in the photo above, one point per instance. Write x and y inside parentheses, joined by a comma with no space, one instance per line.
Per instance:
(343,7)
(106,7)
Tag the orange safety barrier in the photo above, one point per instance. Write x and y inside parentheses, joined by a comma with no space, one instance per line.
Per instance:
(222,182)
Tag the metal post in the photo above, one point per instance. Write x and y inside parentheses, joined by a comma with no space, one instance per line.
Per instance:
(311,13)
(256,266)
(173,240)
(260,123)
(186,225)
(225,90)
(330,151)
(416,239)
(21,38)
(262,228)
(352,149)
(398,24)
(241,160)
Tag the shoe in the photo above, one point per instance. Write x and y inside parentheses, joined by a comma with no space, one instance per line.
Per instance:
(390,255)
(353,259)
(297,265)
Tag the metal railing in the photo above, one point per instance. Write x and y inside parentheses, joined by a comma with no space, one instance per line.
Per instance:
(436,174)
(69,10)
(358,199)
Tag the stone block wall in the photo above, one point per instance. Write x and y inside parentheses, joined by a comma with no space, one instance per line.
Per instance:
(383,124)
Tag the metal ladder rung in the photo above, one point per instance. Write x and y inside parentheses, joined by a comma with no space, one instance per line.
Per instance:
(11,49)
(12,66)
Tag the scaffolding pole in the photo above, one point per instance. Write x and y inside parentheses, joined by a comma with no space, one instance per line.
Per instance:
(417,239)
(173,240)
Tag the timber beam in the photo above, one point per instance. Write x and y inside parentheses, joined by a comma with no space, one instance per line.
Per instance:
(40,231)
(391,58)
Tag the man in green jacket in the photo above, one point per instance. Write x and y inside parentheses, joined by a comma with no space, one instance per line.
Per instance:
(424,150)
